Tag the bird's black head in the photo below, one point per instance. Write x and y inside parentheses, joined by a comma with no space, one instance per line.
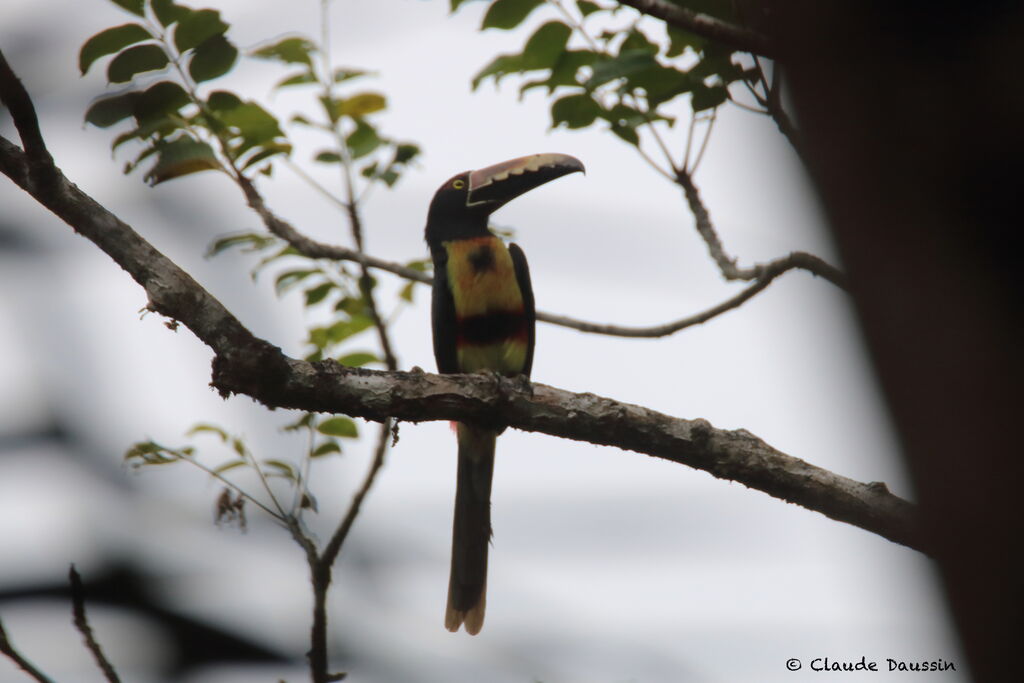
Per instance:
(462,205)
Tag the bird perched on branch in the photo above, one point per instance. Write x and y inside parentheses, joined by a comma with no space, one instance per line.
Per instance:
(483,321)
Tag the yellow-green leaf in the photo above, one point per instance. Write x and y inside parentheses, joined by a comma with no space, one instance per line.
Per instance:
(339,426)
(360,104)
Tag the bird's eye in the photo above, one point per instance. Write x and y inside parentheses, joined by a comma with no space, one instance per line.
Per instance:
(458,184)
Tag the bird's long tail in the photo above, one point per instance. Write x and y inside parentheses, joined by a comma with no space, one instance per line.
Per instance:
(471,531)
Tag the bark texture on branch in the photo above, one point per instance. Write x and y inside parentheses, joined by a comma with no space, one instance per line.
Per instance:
(734,36)
(245,364)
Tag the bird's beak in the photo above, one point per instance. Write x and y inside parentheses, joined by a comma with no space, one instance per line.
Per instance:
(495,185)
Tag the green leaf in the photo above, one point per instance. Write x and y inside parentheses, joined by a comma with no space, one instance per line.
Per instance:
(358,359)
(661,83)
(636,40)
(405,294)
(250,120)
(303,422)
(293,50)
(327,157)
(108,42)
(158,127)
(107,111)
(587,8)
(545,46)
(213,58)
(343,329)
(284,469)
(209,428)
(625,120)
(343,74)
(301,78)
(406,152)
(167,12)
(158,101)
(325,448)
(222,101)
(180,157)
(363,140)
(507,14)
(315,295)
(339,426)
(388,176)
(624,65)
(353,305)
(499,67)
(679,40)
(230,466)
(708,98)
(290,278)
(133,6)
(626,133)
(564,70)
(145,154)
(360,104)
(197,27)
(574,111)
(318,337)
(254,242)
(267,151)
(136,60)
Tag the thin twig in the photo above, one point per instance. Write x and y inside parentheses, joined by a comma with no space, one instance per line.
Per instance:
(7,649)
(747,107)
(667,329)
(82,624)
(704,143)
(234,487)
(314,183)
(17,100)
(727,264)
(333,546)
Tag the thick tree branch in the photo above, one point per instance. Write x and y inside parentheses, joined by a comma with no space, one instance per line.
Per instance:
(734,36)
(245,364)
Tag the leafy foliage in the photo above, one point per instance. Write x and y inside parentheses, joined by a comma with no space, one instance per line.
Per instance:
(324,437)
(620,76)
(183,130)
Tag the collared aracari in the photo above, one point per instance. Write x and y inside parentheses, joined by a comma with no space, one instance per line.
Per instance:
(483,321)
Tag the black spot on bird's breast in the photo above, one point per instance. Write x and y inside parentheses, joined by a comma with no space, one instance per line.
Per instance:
(482,258)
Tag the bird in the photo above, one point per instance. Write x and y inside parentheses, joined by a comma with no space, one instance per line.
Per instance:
(483,319)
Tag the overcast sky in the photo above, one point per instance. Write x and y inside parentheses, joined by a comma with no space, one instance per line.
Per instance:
(606,565)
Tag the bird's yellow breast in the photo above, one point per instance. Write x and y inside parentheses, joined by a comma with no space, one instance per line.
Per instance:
(482,277)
